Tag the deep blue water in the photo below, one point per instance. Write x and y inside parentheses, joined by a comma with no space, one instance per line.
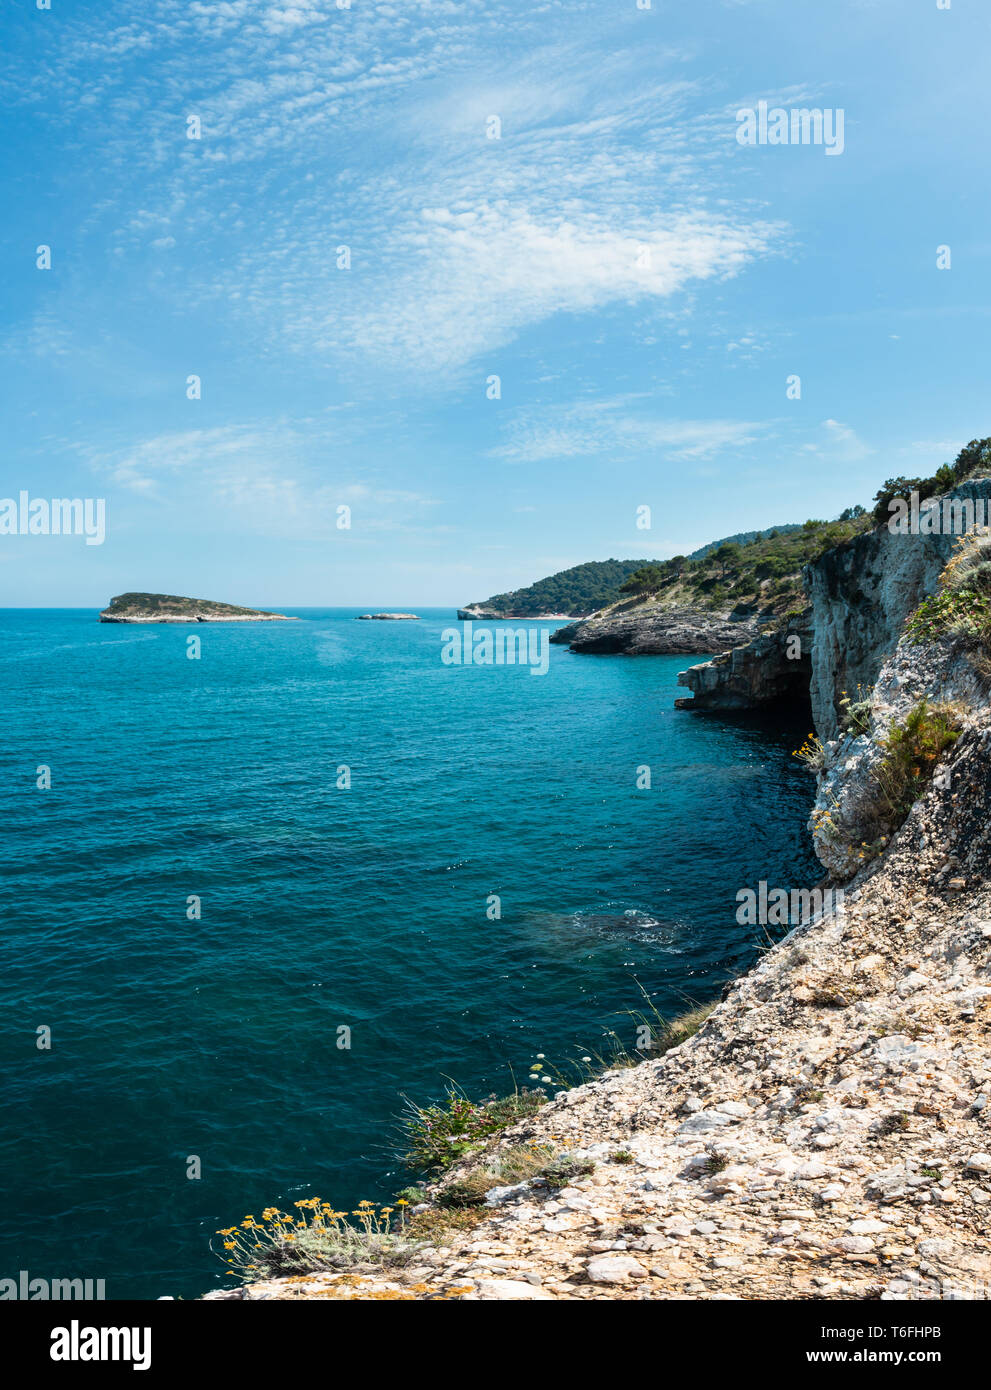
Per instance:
(323,907)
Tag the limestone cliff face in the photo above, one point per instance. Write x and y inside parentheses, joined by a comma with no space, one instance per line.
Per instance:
(773,667)
(844,819)
(638,627)
(861,594)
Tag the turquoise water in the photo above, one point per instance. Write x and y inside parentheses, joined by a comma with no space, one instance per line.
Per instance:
(324,907)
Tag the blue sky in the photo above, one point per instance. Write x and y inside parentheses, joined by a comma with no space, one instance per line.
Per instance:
(623,383)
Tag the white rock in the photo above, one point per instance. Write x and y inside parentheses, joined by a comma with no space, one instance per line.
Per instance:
(503,1289)
(614,1269)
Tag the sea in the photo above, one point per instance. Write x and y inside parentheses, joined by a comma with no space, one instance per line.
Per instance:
(257,901)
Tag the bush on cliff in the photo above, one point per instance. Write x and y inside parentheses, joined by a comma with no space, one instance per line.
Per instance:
(317,1237)
(962,606)
(973,458)
(912,751)
(438,1136)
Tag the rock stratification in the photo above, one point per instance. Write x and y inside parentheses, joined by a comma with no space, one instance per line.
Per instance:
(638,628)
(171,608)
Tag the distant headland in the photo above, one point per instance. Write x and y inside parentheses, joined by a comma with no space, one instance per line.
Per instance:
(170,608)
(387,617)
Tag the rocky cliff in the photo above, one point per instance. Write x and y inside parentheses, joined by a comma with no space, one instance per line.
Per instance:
(826,1133)
(774,667)
(861,593)
(636,627)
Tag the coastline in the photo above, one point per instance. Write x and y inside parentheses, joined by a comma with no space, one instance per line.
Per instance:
(826,1133)
(823,1135)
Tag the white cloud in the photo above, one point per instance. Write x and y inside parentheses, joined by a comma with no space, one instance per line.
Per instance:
(611,427)
(366,127)
(257,477)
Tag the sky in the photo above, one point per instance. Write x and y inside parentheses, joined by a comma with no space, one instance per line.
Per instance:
(491,274)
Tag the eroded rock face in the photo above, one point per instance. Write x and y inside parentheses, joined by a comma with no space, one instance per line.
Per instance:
(861,594)
(844,820)
(635,628)
(773,667)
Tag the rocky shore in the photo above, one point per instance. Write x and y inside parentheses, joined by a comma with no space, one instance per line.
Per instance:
(774,667)
(646,628)
(482,613)
(860,594)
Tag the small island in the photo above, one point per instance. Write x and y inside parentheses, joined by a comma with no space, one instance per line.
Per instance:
(171,608)
(387,617)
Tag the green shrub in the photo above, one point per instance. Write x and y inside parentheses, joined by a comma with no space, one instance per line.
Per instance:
(962,613)
(439,1135)
(913,750)
(812,753)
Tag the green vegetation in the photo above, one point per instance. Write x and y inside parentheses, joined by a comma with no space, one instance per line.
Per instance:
(151,605)
(812,753)
(745,538)
(537,1163)
(974,458)
(962,607)
(317,1238)
(912,751)
(577,591)
(764,573)
(657,1034)
(438,1136)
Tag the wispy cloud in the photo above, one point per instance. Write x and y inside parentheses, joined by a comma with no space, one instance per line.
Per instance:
(256,476)
(615,427)
(367,127)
